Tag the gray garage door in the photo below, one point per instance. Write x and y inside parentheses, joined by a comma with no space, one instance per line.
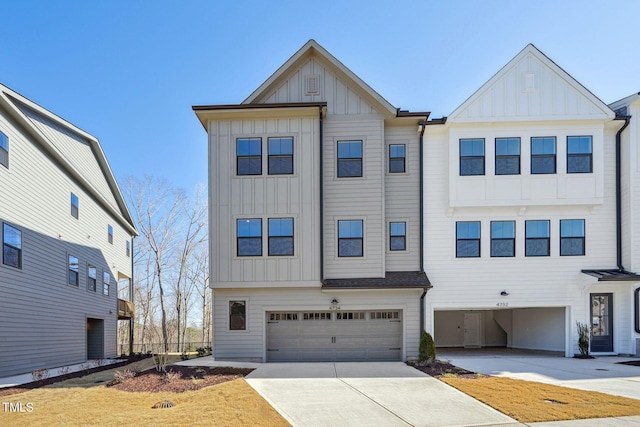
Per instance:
(334,336)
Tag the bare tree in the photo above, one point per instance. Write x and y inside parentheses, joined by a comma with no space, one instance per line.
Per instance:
(156,208)
(193,236)
(199,275)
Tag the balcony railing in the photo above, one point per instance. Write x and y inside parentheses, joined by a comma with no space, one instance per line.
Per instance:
(126,309)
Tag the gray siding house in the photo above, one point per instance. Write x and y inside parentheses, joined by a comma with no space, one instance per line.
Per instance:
(66,237)
(315,218)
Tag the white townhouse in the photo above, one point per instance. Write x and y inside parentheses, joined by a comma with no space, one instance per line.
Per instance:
(327,206)
(66,237)
(315,219)
(521,238)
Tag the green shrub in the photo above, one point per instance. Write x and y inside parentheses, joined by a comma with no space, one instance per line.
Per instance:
(583,338)
(427,350)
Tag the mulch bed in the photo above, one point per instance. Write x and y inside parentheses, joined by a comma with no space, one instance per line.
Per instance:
(439,368)
(54,379)
(180,379)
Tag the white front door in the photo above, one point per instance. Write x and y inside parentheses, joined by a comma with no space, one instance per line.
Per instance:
(472,329)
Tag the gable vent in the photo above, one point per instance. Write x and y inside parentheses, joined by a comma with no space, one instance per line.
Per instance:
(529,82)
(312,84)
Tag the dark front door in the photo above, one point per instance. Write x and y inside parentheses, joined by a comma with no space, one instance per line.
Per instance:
(601,323)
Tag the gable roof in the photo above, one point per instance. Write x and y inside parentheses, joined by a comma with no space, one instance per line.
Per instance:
(621,106)
(516,91)
(313,49)
(57,137)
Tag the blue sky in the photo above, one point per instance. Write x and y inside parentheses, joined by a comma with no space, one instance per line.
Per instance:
(128,72)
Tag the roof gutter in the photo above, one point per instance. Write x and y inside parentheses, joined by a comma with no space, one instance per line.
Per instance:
(619,191)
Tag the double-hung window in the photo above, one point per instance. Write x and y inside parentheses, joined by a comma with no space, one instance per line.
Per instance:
(571,237)
(507,156)
(74,270)
(92,277)
(543,155)
(106,281)
(237,315)
(11,246)
(467,239)
(249,232)
(579,154)
(4,150)
(110,234)
(503,238)
(397,236)
(75,206)
(350,238)
(397,158)
(280,156)
(280,236)
(537,238)
(128,248)
(249,156)
(472,156)
(349,159)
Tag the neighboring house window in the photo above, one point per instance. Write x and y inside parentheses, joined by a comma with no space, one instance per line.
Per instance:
(11,246)
(350,238)
(128,249)
(579,154)
(543,155)
(468,239)
(106,280)
(237,315)
(4,150)
(397,236)
(249,156)
(75,206)
(280,236)
(74,269)
(503,238)
(397,158)
(537,238)
(249,236)
(349,159)
(472,156)
(110,234)
(280,156)
(571,237)
(507,156)
(92,278)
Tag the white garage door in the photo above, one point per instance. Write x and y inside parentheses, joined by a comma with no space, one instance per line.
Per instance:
(334,336)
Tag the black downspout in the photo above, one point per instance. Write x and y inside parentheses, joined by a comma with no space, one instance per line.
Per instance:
(619,192)
(131,284)
(424,293)
(321,201)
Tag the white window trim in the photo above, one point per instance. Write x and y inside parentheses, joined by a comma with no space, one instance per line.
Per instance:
(407,224)
(335,158)
(364,238)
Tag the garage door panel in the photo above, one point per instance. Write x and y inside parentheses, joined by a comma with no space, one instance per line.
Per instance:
(341,336)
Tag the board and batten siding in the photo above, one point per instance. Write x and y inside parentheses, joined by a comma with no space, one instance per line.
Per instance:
(250,344)
(554,281)
(402,199)
(357,198)
(42,318)
(342,98)
(264,196)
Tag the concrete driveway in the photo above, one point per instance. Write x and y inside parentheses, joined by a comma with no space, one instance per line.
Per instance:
(366,394)
(602,374)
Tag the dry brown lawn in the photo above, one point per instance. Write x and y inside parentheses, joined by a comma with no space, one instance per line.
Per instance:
(233,403)
(530,401)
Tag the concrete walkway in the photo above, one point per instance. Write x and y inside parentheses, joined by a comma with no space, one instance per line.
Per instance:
(366,394)
(602,374)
